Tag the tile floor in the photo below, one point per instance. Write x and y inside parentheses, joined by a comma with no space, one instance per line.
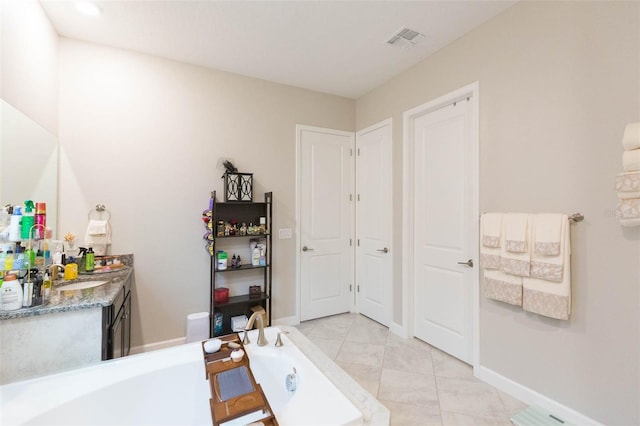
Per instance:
(419,384)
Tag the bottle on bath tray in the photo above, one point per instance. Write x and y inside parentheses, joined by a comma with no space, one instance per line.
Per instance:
(10,294)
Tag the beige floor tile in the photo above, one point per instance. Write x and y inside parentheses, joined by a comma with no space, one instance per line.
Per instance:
(337,330)
(361,353)
(471,397)
(306,327)
(407,357)
(411,414)
(444,365)
(330,347)
(409,388)
(367,376)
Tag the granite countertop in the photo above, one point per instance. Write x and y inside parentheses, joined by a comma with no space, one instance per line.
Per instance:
(73,300)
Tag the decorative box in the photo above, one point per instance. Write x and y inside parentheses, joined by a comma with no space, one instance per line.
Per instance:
(255,290)
(221,295)
(238,323)
(238,186)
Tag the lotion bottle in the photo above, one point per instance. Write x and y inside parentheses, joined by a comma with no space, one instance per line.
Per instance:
(10,294)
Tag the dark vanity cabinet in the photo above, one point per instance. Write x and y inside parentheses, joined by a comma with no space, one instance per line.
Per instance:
(116,324)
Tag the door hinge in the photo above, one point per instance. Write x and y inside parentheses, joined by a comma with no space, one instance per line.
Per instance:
(358,197)
(358,151)
(358,288)
(350,242)
(350,197)
(358,242)
(350,288)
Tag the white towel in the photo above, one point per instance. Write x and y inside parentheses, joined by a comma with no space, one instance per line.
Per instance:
(628,185)
(97,227)
(631,139)
(98,236)
(516,226)
(491,228)
(631,160)
(549,298)
(628,208)
(630,222)
(503,287)
(547,233)
(551,267)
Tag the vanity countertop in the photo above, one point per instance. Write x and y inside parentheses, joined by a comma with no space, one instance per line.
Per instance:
(73,300)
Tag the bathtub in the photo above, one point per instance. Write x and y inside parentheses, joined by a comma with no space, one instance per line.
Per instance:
(168,387)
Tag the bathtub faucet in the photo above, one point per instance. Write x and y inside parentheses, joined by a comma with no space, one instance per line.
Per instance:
(262,341)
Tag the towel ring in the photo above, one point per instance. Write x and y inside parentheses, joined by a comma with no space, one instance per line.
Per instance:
(99,210)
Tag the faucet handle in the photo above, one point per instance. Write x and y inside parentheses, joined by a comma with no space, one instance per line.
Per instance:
(245,340)
(279,339)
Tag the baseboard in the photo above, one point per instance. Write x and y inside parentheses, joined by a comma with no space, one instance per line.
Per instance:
(531,397)
(291,321)
(398,330)
(149,347)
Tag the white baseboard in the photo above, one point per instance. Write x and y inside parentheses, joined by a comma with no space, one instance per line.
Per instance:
(398,330)
(291,321)
(149,347)
(531,397)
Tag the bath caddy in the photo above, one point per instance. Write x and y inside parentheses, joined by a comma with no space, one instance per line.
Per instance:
(234,391)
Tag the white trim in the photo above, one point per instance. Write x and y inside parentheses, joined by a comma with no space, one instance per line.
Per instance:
(150,347)
(389,293)
(471,90)
(299,129)
(398,330)
(532,397)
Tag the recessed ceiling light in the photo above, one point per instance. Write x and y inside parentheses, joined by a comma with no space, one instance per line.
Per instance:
(88,8)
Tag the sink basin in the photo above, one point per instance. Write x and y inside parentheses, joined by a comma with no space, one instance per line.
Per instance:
(80,285)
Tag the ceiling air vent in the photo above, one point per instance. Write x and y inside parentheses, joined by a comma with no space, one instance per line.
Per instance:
(405,38)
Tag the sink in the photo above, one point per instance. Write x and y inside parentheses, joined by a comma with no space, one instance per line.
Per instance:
(80,286)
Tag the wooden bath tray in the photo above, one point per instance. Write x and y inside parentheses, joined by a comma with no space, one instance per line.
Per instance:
(234,391)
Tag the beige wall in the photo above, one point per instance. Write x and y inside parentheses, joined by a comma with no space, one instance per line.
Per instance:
(29,62)
(558,83)
(142,135)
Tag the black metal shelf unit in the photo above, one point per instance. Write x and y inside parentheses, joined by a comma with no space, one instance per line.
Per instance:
(247,212)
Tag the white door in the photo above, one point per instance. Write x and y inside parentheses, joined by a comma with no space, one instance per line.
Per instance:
(326,217)
(374,204)
(443,228)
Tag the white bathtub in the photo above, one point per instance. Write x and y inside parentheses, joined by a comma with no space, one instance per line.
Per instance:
(168,387)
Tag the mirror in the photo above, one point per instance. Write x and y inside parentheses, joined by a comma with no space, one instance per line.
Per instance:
(28,162)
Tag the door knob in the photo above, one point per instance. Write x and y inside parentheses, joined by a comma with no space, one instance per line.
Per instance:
(469,263)
(305,248)
(384,250)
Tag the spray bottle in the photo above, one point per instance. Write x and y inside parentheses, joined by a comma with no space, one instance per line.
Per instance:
(28,220)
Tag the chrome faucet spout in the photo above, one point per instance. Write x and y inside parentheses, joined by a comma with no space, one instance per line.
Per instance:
(262,340)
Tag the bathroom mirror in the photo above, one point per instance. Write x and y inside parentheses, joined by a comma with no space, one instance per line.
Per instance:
(28,162)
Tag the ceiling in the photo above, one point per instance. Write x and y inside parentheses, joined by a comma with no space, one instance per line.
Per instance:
(336,47)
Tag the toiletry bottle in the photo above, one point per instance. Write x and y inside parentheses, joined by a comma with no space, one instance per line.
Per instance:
(10,294)
(263,257)
(41,221)
(255,257)
(222,260)
(71,269)
(15,223)
(81,259)
(46,287)
(28,220)
(90,260)
(27,287)
(8,260)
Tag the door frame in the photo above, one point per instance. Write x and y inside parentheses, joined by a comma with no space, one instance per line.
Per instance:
(298,287)
(408,176)
(389,290)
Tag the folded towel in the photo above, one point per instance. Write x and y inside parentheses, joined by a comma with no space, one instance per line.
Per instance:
(547,233)
(631,139)
(512,261)
(631,160)
(628,185)
(515,232)
(491,227)
(630,222)
(548,298)
(628,208)
(97,227)
(503,287)
(548,266)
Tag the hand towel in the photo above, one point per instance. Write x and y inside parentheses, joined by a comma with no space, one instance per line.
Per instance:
(515,232)
(491,226)
(547,266)
(97,227)
(547,233)
(631,139)
(630,222)
(99,241)
(490,252)
(513,262)
(628,185)
(628,208)
(549,298)
(503,287)
(631,160)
